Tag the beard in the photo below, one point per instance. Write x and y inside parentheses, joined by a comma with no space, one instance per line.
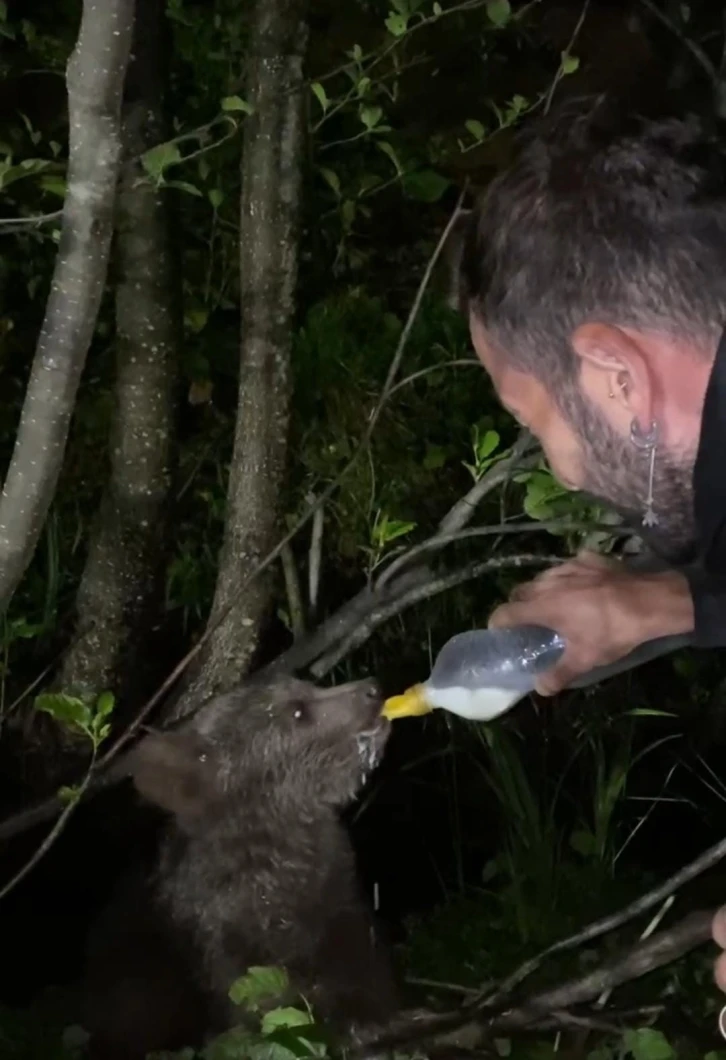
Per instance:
(617,474)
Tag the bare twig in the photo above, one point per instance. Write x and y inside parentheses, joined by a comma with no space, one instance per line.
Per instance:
(347,618)
(474,1026)
(315,556)
(695,49)
(520,458)
(440,541)
(606,924)
(95,78)
(50,839)
(295,605)
(435,984)
(567,52)
(434,586)
(10,225)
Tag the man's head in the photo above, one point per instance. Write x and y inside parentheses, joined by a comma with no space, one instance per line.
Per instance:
(594,278)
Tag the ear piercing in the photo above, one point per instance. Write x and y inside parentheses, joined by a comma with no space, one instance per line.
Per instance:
(647,443)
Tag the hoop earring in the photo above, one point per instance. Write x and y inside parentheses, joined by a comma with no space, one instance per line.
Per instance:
(647,443)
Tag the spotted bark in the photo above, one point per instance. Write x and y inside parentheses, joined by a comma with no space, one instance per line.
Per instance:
(94,79)
(272,152)
(123,577)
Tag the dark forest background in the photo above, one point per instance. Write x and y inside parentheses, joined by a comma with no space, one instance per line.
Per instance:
(243,405)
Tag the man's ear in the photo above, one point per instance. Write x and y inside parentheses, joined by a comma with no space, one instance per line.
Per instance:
(613,366)
(176,772)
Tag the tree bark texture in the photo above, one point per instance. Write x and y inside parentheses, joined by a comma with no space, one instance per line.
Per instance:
(122,582)
(272,153)
(94,78)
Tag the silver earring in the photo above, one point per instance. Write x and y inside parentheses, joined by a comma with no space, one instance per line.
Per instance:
(647,443)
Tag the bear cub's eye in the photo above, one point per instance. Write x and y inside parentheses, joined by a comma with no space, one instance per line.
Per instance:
(300,710)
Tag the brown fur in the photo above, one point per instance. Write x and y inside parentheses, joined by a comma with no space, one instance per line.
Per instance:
(255,868)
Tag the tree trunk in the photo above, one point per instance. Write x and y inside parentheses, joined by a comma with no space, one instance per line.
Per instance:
(271,177)
(95,79)
(123,578)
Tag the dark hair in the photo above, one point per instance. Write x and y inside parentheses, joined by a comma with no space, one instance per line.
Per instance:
(606,217)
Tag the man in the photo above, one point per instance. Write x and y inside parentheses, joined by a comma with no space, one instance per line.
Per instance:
(594,278)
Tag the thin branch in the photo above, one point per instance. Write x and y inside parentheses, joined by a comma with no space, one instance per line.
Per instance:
(519,459)
(295,604)
(645,957)
(695,49)
(10,225)
(315,557)
(552,526)
(567,52)
(473,1027)
(50,839)
(433,587)
(347,618)
(95,79)
(606,924)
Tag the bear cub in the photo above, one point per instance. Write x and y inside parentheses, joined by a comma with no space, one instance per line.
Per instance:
(255,868)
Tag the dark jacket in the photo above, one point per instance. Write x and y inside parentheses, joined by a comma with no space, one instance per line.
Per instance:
(707,575)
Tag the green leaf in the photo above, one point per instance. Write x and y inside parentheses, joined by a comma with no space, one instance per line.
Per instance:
(54,185)
(357,53)
(650,712)
(160,158)
(331,178)
(320,95)
(646,1043)
(184,185)
(387,530)
(216,197)
(262,984)
(347,212)
(434,458)
(485,446)
(66,710)
(425,186)
(69,794)
(397,24)
(476,129)
(231,1045)
(106,703)
(285,1017)
(370,116)
(437,9)
(195,319)
(570,63)
(389,150)
(499,12)
(232,104)
(582,842)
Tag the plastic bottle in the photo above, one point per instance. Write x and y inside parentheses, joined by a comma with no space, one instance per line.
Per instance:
(482,673)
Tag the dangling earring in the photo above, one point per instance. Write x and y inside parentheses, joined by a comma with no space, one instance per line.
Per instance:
(647,443)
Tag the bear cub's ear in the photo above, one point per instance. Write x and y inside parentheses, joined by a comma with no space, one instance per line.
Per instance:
(176,772)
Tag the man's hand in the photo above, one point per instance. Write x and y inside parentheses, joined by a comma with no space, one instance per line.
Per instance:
(601,609)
